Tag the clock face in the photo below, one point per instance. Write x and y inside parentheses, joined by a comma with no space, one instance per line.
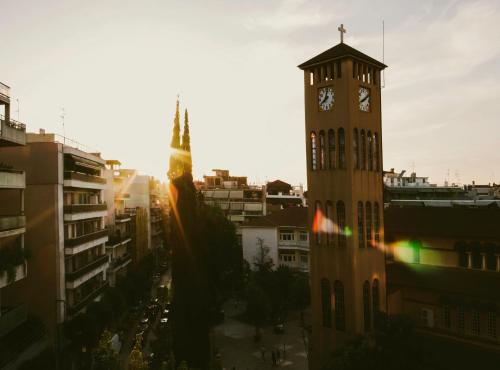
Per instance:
(364,99)
(326,97)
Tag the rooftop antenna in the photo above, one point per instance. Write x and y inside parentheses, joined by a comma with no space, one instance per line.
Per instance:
(383,52)
(17,100)
(63,115)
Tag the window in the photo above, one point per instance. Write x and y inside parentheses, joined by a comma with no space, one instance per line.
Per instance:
(376,223)
(314,163)
(461,319)
(322,159)
(366,306)
(329,222)
(355,148)
(363,150)
(376,156)
(368,208)
(318,217)
(370,150)
(303,237)
(287,236)
(491,261)
(492,324)
(331,149)
(361,226)
(463,259)
(341,148)
(339,306)
(446,317)
(476,323)
(477,259)
(341,223)
(326,303)
(375,297)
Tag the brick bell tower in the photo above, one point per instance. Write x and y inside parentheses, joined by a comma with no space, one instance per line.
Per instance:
(344,178)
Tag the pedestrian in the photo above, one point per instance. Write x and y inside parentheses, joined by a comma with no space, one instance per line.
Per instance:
(273,354)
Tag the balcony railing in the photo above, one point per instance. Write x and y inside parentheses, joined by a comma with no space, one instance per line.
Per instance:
(12,222)
(118,262)
(81,208)
(11,318)
(88,299)
(95,264)
(73,242)
(12,179)
(12,131)
(70,175)
(115,239)
(4,90)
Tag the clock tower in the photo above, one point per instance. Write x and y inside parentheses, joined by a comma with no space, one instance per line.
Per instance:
(344,178)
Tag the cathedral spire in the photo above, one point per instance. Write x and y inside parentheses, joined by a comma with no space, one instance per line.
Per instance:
(186,144)
(175,168)
(177,129)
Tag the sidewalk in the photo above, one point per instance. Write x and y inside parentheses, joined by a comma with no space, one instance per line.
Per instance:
(234,340)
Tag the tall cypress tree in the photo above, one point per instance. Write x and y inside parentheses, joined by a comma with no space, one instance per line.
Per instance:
(186,145)
(174,169)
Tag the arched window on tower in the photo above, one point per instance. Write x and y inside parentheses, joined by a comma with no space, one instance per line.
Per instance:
(322,149)
(376,155)
(329,222)
(367,312)
(376,223)
(355,148)
(331,150)
(368,210)
(314,148)
(318,221)
(338,291)
(370,150)
(341,223)
(363,150)
(326,303)
(341,136)
(361,225)
(375,297)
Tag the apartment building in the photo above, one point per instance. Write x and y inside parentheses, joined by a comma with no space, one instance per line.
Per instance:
(14,323)
(65,227)
(443,268)
(239,201)
(281,195)
(283,233)
(119,223)
(156,218)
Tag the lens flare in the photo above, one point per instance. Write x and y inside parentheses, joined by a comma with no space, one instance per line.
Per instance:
(322,224)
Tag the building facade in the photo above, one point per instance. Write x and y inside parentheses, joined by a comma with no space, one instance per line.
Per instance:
(65,228)
(284,233)
(281,195)
(444,268)
(344,173)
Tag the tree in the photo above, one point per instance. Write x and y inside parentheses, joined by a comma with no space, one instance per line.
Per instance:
(258,307)
(104,356)
(262,261)
(136,360)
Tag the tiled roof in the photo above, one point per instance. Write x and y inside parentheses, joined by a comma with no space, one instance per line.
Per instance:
(340,51)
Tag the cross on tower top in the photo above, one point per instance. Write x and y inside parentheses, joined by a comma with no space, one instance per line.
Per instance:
(342,30)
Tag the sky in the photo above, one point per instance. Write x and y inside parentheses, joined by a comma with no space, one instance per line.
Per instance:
(116,66)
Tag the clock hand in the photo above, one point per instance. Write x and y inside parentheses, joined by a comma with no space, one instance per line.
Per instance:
(363,99)
(324,99)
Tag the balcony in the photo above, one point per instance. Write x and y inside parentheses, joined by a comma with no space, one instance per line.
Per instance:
(293,244)
(12,179)
(83,180)
(123,217)
(4,92)
(73,242)
(20,273)
(93,265)
(12,132)
(83,208)
(120,262)
(118,239)
(10,225)
(11,318)
(88,299)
